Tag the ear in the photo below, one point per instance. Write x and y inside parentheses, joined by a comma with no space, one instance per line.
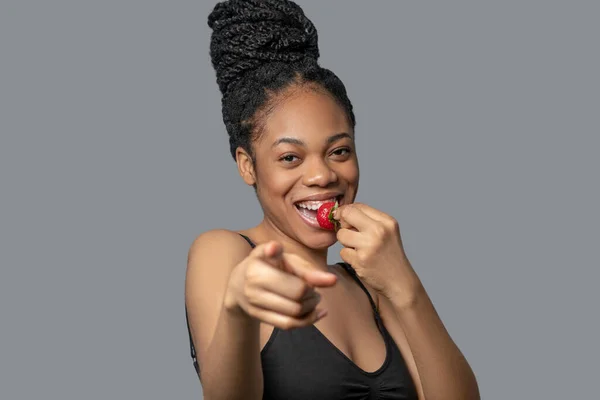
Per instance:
(245,166)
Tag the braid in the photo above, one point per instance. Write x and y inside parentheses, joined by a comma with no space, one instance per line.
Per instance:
(259,48)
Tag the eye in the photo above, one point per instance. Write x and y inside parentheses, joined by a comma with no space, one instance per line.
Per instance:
(342,151)
(288,158)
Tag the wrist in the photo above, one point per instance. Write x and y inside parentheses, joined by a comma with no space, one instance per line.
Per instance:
(406,297)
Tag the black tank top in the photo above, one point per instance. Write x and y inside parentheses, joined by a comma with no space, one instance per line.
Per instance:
(301,363)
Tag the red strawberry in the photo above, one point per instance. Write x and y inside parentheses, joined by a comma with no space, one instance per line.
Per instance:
(325,216)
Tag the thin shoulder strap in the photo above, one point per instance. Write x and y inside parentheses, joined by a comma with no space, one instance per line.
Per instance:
(352,273)
(187,321)
(192,349)
(248,240)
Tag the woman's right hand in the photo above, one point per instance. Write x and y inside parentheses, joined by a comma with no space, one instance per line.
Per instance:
(277,288)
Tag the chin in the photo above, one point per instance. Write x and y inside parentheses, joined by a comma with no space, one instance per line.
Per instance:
(320,242)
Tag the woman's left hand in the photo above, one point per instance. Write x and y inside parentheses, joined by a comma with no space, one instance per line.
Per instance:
(373,247)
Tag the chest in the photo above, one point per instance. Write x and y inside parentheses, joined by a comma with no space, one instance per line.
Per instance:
(349,330)
(348,354)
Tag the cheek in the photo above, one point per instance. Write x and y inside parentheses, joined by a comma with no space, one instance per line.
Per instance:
(279,181)
(350,173)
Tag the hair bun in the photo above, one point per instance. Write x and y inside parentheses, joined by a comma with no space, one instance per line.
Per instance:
(249,33)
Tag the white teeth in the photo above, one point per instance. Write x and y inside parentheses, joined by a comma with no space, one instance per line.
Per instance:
(314,205)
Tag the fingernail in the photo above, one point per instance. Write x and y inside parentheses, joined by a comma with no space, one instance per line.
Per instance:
(322,313)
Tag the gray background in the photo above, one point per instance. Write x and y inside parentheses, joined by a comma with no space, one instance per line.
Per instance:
(477,129)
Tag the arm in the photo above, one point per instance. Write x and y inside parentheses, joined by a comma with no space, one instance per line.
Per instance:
(227,342)
(373,246)
(437,365)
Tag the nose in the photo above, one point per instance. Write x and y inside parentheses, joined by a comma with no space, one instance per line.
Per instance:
(318,173)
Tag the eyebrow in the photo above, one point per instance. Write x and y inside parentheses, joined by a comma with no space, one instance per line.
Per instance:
(330,139)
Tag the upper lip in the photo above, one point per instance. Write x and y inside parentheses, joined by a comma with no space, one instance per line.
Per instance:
(320,196)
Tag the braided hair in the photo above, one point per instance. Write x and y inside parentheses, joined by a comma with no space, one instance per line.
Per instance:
(258,49)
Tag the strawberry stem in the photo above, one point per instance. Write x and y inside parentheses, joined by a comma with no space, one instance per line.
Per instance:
(335,222)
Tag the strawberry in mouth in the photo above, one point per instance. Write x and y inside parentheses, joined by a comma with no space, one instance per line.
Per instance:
(317,213)
(325,216)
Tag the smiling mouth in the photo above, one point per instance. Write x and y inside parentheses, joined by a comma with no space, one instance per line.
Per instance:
(308,209)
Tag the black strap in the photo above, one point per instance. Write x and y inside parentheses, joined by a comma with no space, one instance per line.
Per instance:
(248,240)
(352,273)
(187,321)
(192,349)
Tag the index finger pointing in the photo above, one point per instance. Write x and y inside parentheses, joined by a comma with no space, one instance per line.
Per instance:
(270,252)
(296,265)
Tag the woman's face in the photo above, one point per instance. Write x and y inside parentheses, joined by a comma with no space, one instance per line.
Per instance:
(305,156)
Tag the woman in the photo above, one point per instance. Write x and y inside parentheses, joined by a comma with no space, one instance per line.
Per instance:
(268,317)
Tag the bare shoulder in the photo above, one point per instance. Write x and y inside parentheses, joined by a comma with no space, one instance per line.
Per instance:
(217,245)
(212,257)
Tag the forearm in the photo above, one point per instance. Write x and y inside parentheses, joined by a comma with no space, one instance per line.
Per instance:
(444,372)
(231,368)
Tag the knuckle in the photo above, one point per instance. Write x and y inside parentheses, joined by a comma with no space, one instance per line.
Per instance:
(248,294)
(251,311)
(254,273)
(374,245)
(346,210)
(380,231)
(250,272)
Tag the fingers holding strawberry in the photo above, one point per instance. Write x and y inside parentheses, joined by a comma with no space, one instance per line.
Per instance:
(373,247)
